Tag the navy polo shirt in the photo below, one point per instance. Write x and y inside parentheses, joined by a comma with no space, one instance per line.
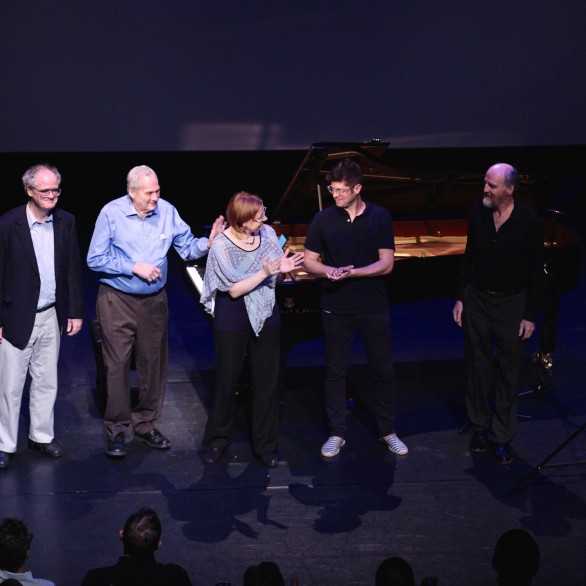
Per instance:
(341,242)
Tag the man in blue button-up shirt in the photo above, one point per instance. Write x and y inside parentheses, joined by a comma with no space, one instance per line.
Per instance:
(129,248)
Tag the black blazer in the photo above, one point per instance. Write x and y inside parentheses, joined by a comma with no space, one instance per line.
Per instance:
(20,282)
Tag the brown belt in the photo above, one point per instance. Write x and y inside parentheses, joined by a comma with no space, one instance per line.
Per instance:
(137,295)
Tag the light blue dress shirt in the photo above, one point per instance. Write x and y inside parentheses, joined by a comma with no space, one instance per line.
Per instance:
(122,238)
(44,245)
(25,578)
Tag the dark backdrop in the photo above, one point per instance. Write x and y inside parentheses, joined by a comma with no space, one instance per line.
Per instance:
(167,75)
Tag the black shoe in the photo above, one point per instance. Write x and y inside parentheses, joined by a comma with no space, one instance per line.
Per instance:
(503,453)
(212,455)
(479,442)
(4,460)
(52,450)
(115,448)
(154,438)
(269,459)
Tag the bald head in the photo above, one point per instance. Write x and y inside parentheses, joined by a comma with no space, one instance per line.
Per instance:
(500,184)
(509,174)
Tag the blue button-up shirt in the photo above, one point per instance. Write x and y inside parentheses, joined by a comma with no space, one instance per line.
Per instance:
(44,245)
(122,238)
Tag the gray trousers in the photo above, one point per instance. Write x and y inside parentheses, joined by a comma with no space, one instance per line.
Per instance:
(39,358)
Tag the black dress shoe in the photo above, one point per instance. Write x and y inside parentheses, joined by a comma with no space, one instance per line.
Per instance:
(115,448)
(154,438)
(503,453)
(212,455)
(51,450)
(479,442)
(4,460)
(269,459)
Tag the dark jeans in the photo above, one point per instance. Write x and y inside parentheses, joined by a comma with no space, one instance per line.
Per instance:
(375,332)
(263,354)
(493,322)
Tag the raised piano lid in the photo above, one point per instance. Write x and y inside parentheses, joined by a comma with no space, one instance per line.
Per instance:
(407,193)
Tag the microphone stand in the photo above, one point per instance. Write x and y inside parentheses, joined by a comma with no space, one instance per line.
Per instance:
(542,358)
(539,386)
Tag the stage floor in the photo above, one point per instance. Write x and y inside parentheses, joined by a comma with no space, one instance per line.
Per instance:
(328,522)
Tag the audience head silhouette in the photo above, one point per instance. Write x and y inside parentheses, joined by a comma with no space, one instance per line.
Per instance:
(394,571)
(141,537)
(516,558)
(15,542)
(141,534)
(264,574)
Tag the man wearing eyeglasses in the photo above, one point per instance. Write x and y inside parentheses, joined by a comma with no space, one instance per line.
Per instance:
(351,246)
(40,296)
(129,247)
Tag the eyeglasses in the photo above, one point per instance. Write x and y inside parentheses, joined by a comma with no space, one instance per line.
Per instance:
(339,190)
(55,192)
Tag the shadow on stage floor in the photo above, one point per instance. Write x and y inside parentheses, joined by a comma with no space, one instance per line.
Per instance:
(329,522)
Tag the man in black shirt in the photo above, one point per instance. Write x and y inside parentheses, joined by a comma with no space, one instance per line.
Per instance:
(355,241)
(137,567)
(501,284)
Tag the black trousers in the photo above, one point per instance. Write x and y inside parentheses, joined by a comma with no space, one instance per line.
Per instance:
(375,333)
(263,354)
(493,322)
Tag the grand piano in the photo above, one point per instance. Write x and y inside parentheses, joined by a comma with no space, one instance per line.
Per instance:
(429,209)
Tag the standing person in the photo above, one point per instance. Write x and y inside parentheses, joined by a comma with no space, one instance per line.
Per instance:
(141,538)
(15,546)
(40,296)
(243,268)
(501,284)
(129,248)
(355,241)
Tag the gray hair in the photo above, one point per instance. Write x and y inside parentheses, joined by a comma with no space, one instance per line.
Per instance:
(136,174)
(28,179)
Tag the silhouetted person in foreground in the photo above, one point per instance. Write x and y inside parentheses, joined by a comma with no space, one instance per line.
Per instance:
(15,544)
(263,574)
(141,537)
(266,574)
(516,558)
(394,571)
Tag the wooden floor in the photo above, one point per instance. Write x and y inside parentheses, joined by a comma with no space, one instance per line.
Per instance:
(328,522)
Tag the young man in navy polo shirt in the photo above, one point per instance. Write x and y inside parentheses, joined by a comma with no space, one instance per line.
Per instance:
(351,246)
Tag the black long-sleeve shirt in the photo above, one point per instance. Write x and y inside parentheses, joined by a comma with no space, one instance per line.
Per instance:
(510,259)
(138,572)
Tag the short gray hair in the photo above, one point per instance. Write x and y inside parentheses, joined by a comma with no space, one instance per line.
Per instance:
(136,174)
(28,179)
